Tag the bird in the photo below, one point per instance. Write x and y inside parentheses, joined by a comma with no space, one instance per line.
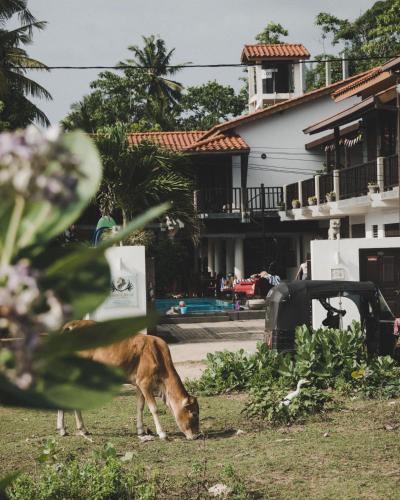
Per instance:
(289,397)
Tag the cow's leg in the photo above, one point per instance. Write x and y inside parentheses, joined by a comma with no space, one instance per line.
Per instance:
(60,423)
(151,403)
(80,426)
(139,409)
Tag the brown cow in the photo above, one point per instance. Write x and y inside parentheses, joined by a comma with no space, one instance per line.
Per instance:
(148,364)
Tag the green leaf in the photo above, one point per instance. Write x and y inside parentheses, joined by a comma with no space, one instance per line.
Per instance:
(5,481)
(77,260)
(54,220)
(84,286)
(79,383)
(11,395)
(90,337)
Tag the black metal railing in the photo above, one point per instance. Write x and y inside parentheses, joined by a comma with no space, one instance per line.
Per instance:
(353,181)
(390,172)
(292,193)
(307,190)
(218,200)
(229,200)
(325,186)
(264,198)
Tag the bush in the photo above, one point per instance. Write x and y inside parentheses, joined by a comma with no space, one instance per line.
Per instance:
(92,479)
(327,358)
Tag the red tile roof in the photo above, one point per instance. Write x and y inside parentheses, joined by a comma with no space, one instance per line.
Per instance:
(191,141)
(357,84)
(171,140)
(276,50)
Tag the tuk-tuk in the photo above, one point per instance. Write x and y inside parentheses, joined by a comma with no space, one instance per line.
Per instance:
(292,304)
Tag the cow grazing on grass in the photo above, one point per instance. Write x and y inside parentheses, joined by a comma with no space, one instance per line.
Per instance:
(148,364)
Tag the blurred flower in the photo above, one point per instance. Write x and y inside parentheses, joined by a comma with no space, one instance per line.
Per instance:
(25,313)
(37,165)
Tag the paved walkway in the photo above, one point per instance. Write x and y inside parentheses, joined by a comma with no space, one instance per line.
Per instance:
(191,342)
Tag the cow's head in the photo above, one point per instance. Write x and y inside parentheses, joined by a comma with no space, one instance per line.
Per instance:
(187,417)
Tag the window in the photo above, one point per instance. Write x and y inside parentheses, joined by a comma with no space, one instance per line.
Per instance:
(375,231)
(279,77)
(392,230)
(358,231)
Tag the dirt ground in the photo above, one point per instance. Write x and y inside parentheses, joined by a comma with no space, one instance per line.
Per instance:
(190,343)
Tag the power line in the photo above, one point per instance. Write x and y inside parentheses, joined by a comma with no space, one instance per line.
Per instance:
(190,66)
(286,158)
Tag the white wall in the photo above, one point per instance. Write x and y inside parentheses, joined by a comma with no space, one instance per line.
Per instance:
(282,133)
(380,218)
(341,256)
(128,263)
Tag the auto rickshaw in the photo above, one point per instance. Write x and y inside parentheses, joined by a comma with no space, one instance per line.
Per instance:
(291,304)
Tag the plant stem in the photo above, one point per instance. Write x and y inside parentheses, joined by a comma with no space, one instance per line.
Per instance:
(34,225)
(12,230)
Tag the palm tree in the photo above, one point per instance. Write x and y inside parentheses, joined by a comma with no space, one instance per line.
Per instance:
(155,61)
(137,178)
(14,60)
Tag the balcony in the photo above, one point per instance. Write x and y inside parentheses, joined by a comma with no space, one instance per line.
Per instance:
(352,190)
(232,202)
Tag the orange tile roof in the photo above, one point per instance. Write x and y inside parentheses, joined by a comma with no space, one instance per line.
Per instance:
(276,50)
(171,140)
(358,84)
(191,141)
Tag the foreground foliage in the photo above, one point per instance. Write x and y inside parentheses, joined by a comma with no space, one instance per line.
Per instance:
(330,360)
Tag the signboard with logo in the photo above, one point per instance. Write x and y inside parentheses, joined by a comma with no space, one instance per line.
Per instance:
(268,73)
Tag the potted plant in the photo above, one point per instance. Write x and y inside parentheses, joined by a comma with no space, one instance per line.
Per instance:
(312,200)
(281,206)
(295,203)
(331,196)
(373,187)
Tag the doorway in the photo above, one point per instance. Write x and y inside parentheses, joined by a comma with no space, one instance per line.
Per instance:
(382,266)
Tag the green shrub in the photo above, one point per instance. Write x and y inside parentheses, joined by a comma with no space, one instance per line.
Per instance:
(327,358)
(267,402)
(91,479)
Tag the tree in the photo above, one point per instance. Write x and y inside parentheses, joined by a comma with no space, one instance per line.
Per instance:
(272,33)
(14,62)
(163,93)
(374,34)
(139,177)
(206,105)
(142,95)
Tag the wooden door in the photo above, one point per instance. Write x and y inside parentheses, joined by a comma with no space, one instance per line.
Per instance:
(382,266)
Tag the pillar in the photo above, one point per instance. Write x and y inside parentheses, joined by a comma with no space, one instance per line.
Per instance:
(239,258)
(229,259)
(380,176)
(218,256)
(336,183)
(210,257)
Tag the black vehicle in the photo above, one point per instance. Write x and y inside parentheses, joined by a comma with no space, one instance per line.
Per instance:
(289,305)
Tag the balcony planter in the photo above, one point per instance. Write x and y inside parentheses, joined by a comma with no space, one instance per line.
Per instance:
(373,187)
(312,200)
(330,196)
(296,203)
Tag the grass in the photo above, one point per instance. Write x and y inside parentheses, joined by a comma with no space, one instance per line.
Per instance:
(351,453)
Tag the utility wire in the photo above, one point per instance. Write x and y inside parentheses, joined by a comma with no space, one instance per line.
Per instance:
(217,65)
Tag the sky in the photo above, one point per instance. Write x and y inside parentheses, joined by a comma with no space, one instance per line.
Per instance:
(98,32)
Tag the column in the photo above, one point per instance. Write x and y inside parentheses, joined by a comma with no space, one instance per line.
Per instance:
(218,256)
(229,262)
(210,257)
(336,184)
(380,176)
(239,259)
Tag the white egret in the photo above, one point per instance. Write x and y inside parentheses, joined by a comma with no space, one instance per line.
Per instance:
(289,397)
